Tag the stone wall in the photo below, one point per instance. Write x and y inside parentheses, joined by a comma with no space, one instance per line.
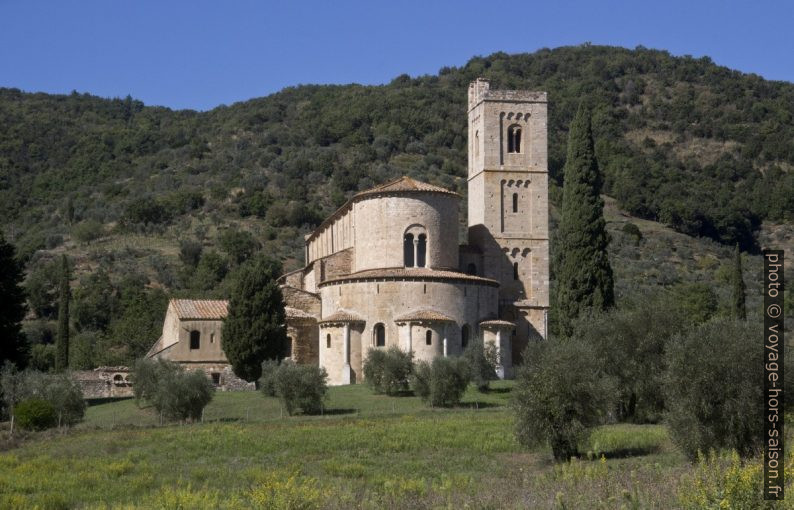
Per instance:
(382,222)
(104,382)
(385,301)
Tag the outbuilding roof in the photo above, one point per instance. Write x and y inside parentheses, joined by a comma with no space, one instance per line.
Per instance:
(297,313)
(200,309)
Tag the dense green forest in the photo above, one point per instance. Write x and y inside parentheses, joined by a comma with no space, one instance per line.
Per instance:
(149,202)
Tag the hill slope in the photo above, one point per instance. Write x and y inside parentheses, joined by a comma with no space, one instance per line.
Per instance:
(149,195)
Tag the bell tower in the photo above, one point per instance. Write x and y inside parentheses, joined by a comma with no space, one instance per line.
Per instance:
(508,202)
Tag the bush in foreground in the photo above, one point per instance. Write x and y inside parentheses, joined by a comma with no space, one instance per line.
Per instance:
(298,387)
(175,393)
(388,371)
(560,394)
(714,389)
(60,391)
(443,382)
(35,414)
(482,360)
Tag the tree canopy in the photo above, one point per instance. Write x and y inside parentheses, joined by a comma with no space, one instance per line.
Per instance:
(254,329)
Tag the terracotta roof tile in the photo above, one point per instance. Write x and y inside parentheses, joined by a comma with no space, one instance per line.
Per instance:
(200,308)
(342,316)
(423,315)
(404,184)
(497,323)
(418,273)
(297,313)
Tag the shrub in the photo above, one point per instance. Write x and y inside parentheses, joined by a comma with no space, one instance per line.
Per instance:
(560,394)
(60,391)
(442,382)
(267,381)
(175,393)
(483,361)
(388,371)
(630,343)
(300,387)
(725,481)
(713,394)
(35,414)
(632,230)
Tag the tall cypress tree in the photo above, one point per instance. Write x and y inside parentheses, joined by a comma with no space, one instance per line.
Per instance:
(254,331)
(581,263)
(62,342)
(739,310)
(12,306)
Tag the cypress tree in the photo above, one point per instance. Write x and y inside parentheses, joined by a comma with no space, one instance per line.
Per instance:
(12,306)
(739,311)
(62,343)
(254,331)
(581,263)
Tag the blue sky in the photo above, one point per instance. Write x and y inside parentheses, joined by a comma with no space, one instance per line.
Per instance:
(199,54)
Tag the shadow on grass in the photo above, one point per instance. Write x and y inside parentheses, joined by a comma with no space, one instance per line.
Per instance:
(338,411)
(478,405)
(498,390)
(622,453)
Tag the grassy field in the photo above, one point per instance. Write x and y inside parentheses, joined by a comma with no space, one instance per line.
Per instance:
(366,451)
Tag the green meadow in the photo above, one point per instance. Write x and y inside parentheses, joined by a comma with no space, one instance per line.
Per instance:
(365,451)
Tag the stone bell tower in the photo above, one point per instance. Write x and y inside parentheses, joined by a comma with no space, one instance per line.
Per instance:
(508,202)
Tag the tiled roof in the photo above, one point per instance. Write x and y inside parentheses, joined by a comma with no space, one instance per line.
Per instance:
(342,316)
(423,315)
(404,184)
(497,323)
(412,273)
(200,308)
(297,313)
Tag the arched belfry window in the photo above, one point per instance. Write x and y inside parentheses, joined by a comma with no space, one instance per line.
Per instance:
(515,202)
(379,335)
(514,139)
(195,340)
(421,251)
(464,336)
(408,250)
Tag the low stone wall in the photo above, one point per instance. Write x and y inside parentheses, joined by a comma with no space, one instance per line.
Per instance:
(104,382)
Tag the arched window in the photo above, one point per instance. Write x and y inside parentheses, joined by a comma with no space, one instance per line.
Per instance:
(476,144)
(118,380)
(514,139)
(464,336)
(195,340)
(379,335)
(471,268)
(421,251)
(515,202)
(515,270)
(288,348)
(328,341)
(429,337)
(408,250)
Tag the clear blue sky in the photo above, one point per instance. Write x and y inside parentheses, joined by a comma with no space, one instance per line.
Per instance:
(199,54)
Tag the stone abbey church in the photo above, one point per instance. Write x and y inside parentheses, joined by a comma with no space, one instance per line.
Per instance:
(386,269)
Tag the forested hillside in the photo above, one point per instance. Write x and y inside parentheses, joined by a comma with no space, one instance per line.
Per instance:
(147,201)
